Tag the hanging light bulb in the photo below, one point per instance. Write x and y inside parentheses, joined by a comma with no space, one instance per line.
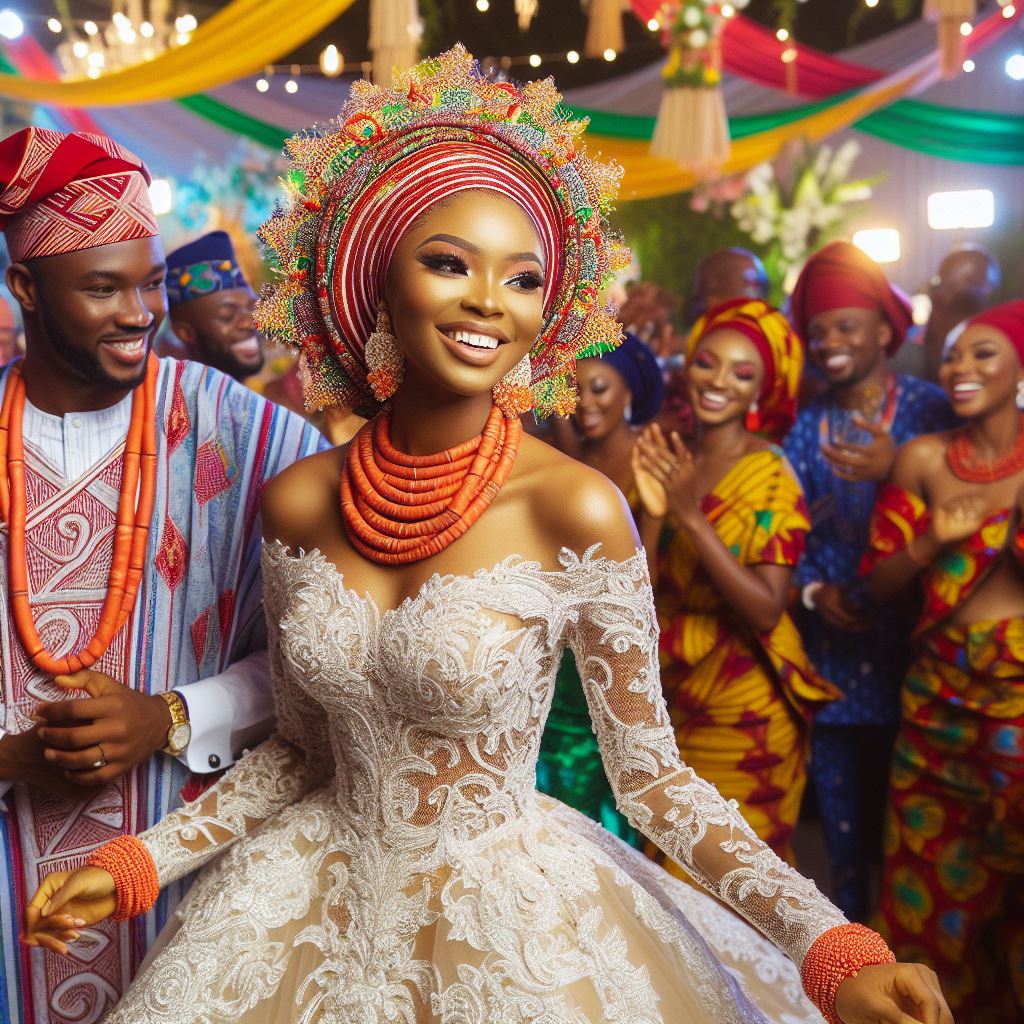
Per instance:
(54,25)
(572,57)
(782,35)
(654,24)
(969,66)
(291,86)
(330,61)
(534,60)
(262,85)
(483,6)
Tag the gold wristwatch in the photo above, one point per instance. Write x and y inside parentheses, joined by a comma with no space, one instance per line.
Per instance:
(180,732)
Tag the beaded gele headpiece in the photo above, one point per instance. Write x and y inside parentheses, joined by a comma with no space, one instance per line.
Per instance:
(357,185)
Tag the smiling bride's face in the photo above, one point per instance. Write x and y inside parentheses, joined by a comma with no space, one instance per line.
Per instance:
(465,292)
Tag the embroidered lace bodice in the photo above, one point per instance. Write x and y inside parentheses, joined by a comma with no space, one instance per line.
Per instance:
(424,722)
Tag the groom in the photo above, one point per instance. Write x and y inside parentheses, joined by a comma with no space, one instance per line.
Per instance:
(177,683)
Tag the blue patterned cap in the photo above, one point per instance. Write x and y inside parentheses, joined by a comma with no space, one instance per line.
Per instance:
(203,267)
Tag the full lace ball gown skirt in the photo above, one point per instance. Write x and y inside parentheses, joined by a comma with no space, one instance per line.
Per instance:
(385,857)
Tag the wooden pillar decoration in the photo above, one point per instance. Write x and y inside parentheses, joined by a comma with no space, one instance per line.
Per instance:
(692,126)
(395,30)
(950,15)
(604,27)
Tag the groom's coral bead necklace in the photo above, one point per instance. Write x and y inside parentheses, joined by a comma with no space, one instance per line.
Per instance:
(130,533)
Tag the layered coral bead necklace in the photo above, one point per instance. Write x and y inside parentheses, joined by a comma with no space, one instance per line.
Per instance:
(965,463)
(401,508)
(130,532)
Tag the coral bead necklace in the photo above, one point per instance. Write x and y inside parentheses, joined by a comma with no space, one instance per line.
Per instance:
(964,462)
(400,508)
(130,533)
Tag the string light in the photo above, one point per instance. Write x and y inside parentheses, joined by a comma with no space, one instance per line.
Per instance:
(609,54)
(782,35)
(654,24)
(11,26)
(728,11)
(96,59)
(80,48)
(262,85)
(331,62)
(534,60)
(969,66)
(186,23)
(788,55)
(93,72)
(572,57)
(966,28)
(483,6)
(54,25)
(871,3)
(121,21)
(146,30)
(182,38)
(90,28)
(291,86)
(1009,11)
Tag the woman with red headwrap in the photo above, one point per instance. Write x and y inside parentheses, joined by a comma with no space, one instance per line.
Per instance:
(739,688)
(950,524)
(386,856)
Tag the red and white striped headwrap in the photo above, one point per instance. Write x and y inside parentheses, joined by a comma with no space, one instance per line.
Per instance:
(62,193)
(388,208)
(359,184)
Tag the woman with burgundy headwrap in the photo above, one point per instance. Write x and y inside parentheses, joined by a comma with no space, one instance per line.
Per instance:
(950,525)
(386,856)
(732,522)
(841,446)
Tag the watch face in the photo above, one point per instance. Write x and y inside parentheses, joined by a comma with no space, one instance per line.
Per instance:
(179,737)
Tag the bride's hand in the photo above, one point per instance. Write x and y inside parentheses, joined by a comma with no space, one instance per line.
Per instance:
(892,994)
(66,901)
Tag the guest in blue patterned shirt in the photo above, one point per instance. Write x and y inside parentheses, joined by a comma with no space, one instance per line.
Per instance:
(842,445)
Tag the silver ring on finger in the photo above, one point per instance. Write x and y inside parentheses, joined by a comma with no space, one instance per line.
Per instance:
(102,762)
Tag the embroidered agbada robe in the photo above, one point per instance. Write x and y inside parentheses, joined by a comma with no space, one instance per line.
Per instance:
(198,611)
(741,703)
(953,885)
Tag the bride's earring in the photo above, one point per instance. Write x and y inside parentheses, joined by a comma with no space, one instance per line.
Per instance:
(384,361)
(512,394)
(1020,394)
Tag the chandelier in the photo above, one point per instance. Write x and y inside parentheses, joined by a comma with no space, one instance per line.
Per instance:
(136,31)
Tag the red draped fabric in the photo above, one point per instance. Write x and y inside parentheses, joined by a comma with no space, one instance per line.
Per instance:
(751,51)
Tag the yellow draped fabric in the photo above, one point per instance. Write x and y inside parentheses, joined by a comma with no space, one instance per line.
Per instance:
(239,40)
(648,176)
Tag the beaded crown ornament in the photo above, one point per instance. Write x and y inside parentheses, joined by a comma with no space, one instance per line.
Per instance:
(324,236)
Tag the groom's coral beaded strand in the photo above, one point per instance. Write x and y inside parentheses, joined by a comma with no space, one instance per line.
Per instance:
(130,864)
(836,955)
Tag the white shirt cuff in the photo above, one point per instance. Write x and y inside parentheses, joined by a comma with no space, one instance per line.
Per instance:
(228,713)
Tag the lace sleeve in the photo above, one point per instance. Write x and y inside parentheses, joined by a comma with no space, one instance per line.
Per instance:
(293,761)
(614,636)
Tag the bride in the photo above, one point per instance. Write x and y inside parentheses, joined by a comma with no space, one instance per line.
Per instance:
(385,856)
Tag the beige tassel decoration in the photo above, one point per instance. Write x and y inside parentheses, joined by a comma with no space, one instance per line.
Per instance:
(395,31)
(950,15)
(604,28)
(692,127)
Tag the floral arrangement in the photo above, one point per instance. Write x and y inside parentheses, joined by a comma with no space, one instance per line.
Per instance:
(692,37)
(798,203)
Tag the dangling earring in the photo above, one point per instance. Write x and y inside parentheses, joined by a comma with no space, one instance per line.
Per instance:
(383,359)
(512,394)
(1020,394)
(627,412)
(752,421)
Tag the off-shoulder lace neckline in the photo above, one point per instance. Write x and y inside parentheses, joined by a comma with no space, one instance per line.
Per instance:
(569,559)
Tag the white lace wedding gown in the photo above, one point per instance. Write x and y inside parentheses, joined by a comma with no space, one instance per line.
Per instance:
(385,856)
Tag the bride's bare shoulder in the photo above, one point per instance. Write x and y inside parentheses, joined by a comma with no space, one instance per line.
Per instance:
(575,505)
(296,502)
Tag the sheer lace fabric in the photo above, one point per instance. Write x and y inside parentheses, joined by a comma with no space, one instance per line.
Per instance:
(385,856)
